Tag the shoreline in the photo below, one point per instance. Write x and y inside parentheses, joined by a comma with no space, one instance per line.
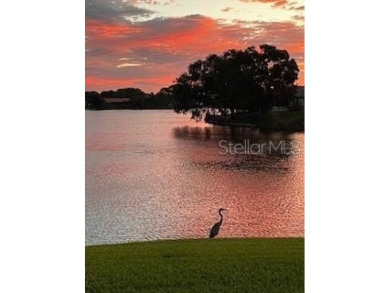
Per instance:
(189,239)
(285,121)
(230,123)
(122,109)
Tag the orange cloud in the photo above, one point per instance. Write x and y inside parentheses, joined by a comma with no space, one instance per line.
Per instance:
(101,29)
(163,47)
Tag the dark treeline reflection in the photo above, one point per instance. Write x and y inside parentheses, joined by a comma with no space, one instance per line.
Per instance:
(256,151)
(235,134)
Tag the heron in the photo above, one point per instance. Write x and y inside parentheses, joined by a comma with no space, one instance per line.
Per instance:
(215,229)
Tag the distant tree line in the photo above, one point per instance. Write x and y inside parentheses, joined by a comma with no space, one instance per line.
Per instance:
(128,98)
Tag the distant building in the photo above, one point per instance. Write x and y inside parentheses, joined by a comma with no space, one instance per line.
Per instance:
(116,100)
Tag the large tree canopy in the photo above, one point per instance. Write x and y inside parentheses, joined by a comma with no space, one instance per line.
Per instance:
(237,80)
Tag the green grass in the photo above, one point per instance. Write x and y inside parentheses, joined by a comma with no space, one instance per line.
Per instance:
(202,265)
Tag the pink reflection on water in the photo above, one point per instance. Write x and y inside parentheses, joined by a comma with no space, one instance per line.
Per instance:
(158,175)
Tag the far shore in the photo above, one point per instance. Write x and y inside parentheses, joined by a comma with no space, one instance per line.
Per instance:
(122,109)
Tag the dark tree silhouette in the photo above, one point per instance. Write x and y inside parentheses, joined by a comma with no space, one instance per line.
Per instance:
(93,100)
(237,81)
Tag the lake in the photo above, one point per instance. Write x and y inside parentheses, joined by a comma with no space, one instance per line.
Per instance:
(154,174)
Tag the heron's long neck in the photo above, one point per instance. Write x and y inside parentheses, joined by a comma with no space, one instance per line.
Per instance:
(220,214)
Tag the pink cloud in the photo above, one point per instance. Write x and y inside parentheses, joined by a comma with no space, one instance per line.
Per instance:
(165,47)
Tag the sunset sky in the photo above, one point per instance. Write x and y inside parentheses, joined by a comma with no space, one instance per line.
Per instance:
(148,43)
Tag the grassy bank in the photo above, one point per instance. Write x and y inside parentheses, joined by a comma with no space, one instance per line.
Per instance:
(204,265)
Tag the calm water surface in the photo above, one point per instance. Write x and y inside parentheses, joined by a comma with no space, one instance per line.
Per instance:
(158,175)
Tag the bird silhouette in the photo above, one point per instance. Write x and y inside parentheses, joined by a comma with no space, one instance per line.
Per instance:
(215,229)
